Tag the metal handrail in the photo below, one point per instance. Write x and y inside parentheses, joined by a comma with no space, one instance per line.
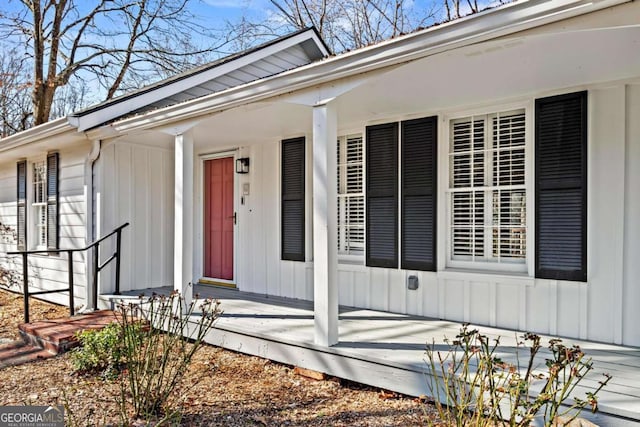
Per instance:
(97,267)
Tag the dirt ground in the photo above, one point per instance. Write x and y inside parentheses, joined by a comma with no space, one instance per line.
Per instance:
(222,388)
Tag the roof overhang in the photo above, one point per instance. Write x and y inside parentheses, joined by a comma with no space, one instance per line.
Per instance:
(42,137)
(42,132)
(303,47)
(482,27)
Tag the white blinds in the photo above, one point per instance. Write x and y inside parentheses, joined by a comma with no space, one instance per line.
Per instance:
(487,188)
(350,195)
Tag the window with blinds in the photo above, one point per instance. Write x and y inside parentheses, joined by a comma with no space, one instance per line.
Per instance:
(39,203)
(21,212)
(350,195)
(487,192)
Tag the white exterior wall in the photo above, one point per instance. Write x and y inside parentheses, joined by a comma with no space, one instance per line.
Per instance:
(50,272)
(135,185)
(258,265)
(604,309)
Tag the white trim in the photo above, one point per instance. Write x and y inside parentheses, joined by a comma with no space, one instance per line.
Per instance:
(325,232)
(32,242)
(444,246)
(183,215)
(202,158)
(343,223)
(37,133)
(492,24)
(507,278)
(529,177)
(135,101)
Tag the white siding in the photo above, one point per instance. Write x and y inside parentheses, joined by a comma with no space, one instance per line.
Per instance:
(631,245)
(259,268)
(604,309)
(51,272)
(136,186)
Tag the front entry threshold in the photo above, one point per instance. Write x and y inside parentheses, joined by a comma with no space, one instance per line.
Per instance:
(217,282)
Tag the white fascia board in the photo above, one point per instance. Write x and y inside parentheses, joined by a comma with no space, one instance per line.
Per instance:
(118,109)
(36,134)
(491,24)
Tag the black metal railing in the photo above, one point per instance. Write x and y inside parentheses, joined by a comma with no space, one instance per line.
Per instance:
(97,267)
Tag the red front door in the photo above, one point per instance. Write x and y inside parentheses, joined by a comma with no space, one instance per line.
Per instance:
(218,218)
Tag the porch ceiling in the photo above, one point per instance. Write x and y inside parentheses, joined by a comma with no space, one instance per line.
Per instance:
(252,124)
(488,72)
(496,70)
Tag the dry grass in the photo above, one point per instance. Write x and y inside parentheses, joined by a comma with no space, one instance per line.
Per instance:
(222,388)
(12,312)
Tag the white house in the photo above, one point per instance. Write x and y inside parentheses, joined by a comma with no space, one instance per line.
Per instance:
(484,170)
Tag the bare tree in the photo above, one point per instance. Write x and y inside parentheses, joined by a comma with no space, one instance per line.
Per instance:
(351,24)
(15,87)
(71,97)
(112,44)
(455,9)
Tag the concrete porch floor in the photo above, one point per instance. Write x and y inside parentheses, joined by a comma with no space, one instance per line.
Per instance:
(387,350)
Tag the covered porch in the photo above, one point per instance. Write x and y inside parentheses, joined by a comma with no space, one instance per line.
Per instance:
(387,350)
(152,176)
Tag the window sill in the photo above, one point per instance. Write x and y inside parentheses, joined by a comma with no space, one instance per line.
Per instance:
(44,254)
(504,277)
(351,265)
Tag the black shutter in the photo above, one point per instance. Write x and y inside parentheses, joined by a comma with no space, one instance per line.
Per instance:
(293,190)
(419,186)
(21,213)
(561,187)
(52,201)
(382,196)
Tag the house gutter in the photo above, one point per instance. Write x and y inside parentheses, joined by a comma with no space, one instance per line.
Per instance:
(35,134)
(481,27)
(90,235)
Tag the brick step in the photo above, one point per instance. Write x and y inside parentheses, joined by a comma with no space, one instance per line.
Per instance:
(19,352)
(59,335)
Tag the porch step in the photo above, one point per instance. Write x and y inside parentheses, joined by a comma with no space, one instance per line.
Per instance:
(19,352)
(111,301)
(59,335)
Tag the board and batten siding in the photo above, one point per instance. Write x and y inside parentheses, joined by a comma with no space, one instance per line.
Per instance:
(604,309)
(50,272)
(135,185)
(259,268)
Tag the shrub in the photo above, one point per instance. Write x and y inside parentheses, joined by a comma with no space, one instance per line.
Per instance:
(100,351)
(157,357)
(471,385)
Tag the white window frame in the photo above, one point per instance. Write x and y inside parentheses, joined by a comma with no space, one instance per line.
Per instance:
(36,240)
(342,226)
(445,212)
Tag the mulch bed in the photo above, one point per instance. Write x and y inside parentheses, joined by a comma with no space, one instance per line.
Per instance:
(222,388)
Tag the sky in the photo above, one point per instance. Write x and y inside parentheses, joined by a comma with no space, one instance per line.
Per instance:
(215,15)
(219,11)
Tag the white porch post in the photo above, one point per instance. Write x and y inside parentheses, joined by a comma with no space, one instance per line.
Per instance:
(183,216)
(325,256)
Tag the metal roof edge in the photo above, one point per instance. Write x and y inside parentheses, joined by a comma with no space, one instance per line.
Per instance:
(322,48)
(476,28)
(37,133)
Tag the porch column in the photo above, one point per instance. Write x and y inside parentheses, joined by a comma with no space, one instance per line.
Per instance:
(325,256)
(183,216)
